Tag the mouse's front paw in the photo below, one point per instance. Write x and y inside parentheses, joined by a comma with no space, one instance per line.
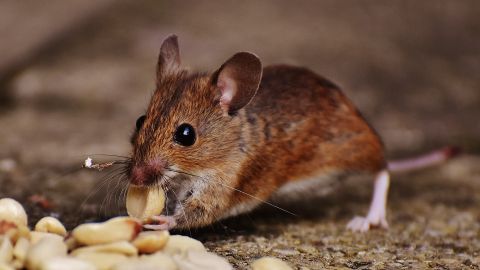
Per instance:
(161,223)
(363,224)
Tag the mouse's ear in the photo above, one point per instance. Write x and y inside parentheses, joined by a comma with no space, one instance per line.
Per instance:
(169,58)
(238,80)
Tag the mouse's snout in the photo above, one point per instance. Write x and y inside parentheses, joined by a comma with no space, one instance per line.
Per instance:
(147,173)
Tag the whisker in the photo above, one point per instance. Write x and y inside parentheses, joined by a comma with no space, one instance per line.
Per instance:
(119,175)
(105,180)
(106,200)
(116,172)
(184,214)
(117,188)
(237,190)
(108,155)
(124,191)
(124,184)
(90,195)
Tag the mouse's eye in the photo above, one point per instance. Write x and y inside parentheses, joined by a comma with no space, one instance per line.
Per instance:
(184,135)
(139,122)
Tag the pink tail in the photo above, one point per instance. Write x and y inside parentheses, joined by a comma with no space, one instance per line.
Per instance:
(434,158)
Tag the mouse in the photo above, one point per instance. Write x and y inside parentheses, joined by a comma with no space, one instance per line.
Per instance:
(222,143)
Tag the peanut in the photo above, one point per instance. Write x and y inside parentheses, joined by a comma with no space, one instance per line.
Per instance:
(51,225)
(145,202)
(270,263)
(201,260)
(4,266)
(13,231)
(6,250)
(17,264)
(159,258)
(113,230)
(150,242)
(148,262)
(21,248)
(121,247)
(44,250)
(35,237)
(102,260)
(179,244)
(11,210)
(71,243)
(61,263)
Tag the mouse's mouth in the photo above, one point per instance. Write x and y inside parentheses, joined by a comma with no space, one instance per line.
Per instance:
(146,177)
(149,173)
(178,187)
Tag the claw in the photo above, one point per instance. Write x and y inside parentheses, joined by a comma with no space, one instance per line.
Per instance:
(363,224)
(161,223)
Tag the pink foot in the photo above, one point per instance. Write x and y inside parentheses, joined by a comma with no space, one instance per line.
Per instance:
(376,216)
(161,223)
(363,224)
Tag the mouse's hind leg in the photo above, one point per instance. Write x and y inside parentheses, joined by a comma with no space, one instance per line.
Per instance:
(376,216)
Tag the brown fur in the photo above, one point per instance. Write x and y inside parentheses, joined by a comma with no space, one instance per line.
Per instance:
(299,125)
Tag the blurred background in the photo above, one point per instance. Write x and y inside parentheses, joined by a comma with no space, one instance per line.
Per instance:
(75,75)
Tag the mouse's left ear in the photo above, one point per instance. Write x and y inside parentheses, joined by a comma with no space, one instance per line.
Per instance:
(169,57)
(238,80)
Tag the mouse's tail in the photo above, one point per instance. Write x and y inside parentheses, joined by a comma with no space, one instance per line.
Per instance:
(430,159)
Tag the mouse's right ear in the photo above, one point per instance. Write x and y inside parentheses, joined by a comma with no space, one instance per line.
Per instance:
(169,58)
(238,80)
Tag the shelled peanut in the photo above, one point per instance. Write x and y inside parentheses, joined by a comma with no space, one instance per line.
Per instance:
(117,244)
(145,202)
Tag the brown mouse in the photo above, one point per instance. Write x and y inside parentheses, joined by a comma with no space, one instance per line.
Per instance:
(220,144)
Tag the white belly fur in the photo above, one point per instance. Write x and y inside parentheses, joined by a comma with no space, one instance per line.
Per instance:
(300,189)
(315,186)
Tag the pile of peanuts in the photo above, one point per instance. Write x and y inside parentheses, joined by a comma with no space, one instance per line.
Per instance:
(117,244)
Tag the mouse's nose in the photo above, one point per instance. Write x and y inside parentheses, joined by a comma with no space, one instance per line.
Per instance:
(147,173)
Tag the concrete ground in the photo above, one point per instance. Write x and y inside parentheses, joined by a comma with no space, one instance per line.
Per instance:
(411,67)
